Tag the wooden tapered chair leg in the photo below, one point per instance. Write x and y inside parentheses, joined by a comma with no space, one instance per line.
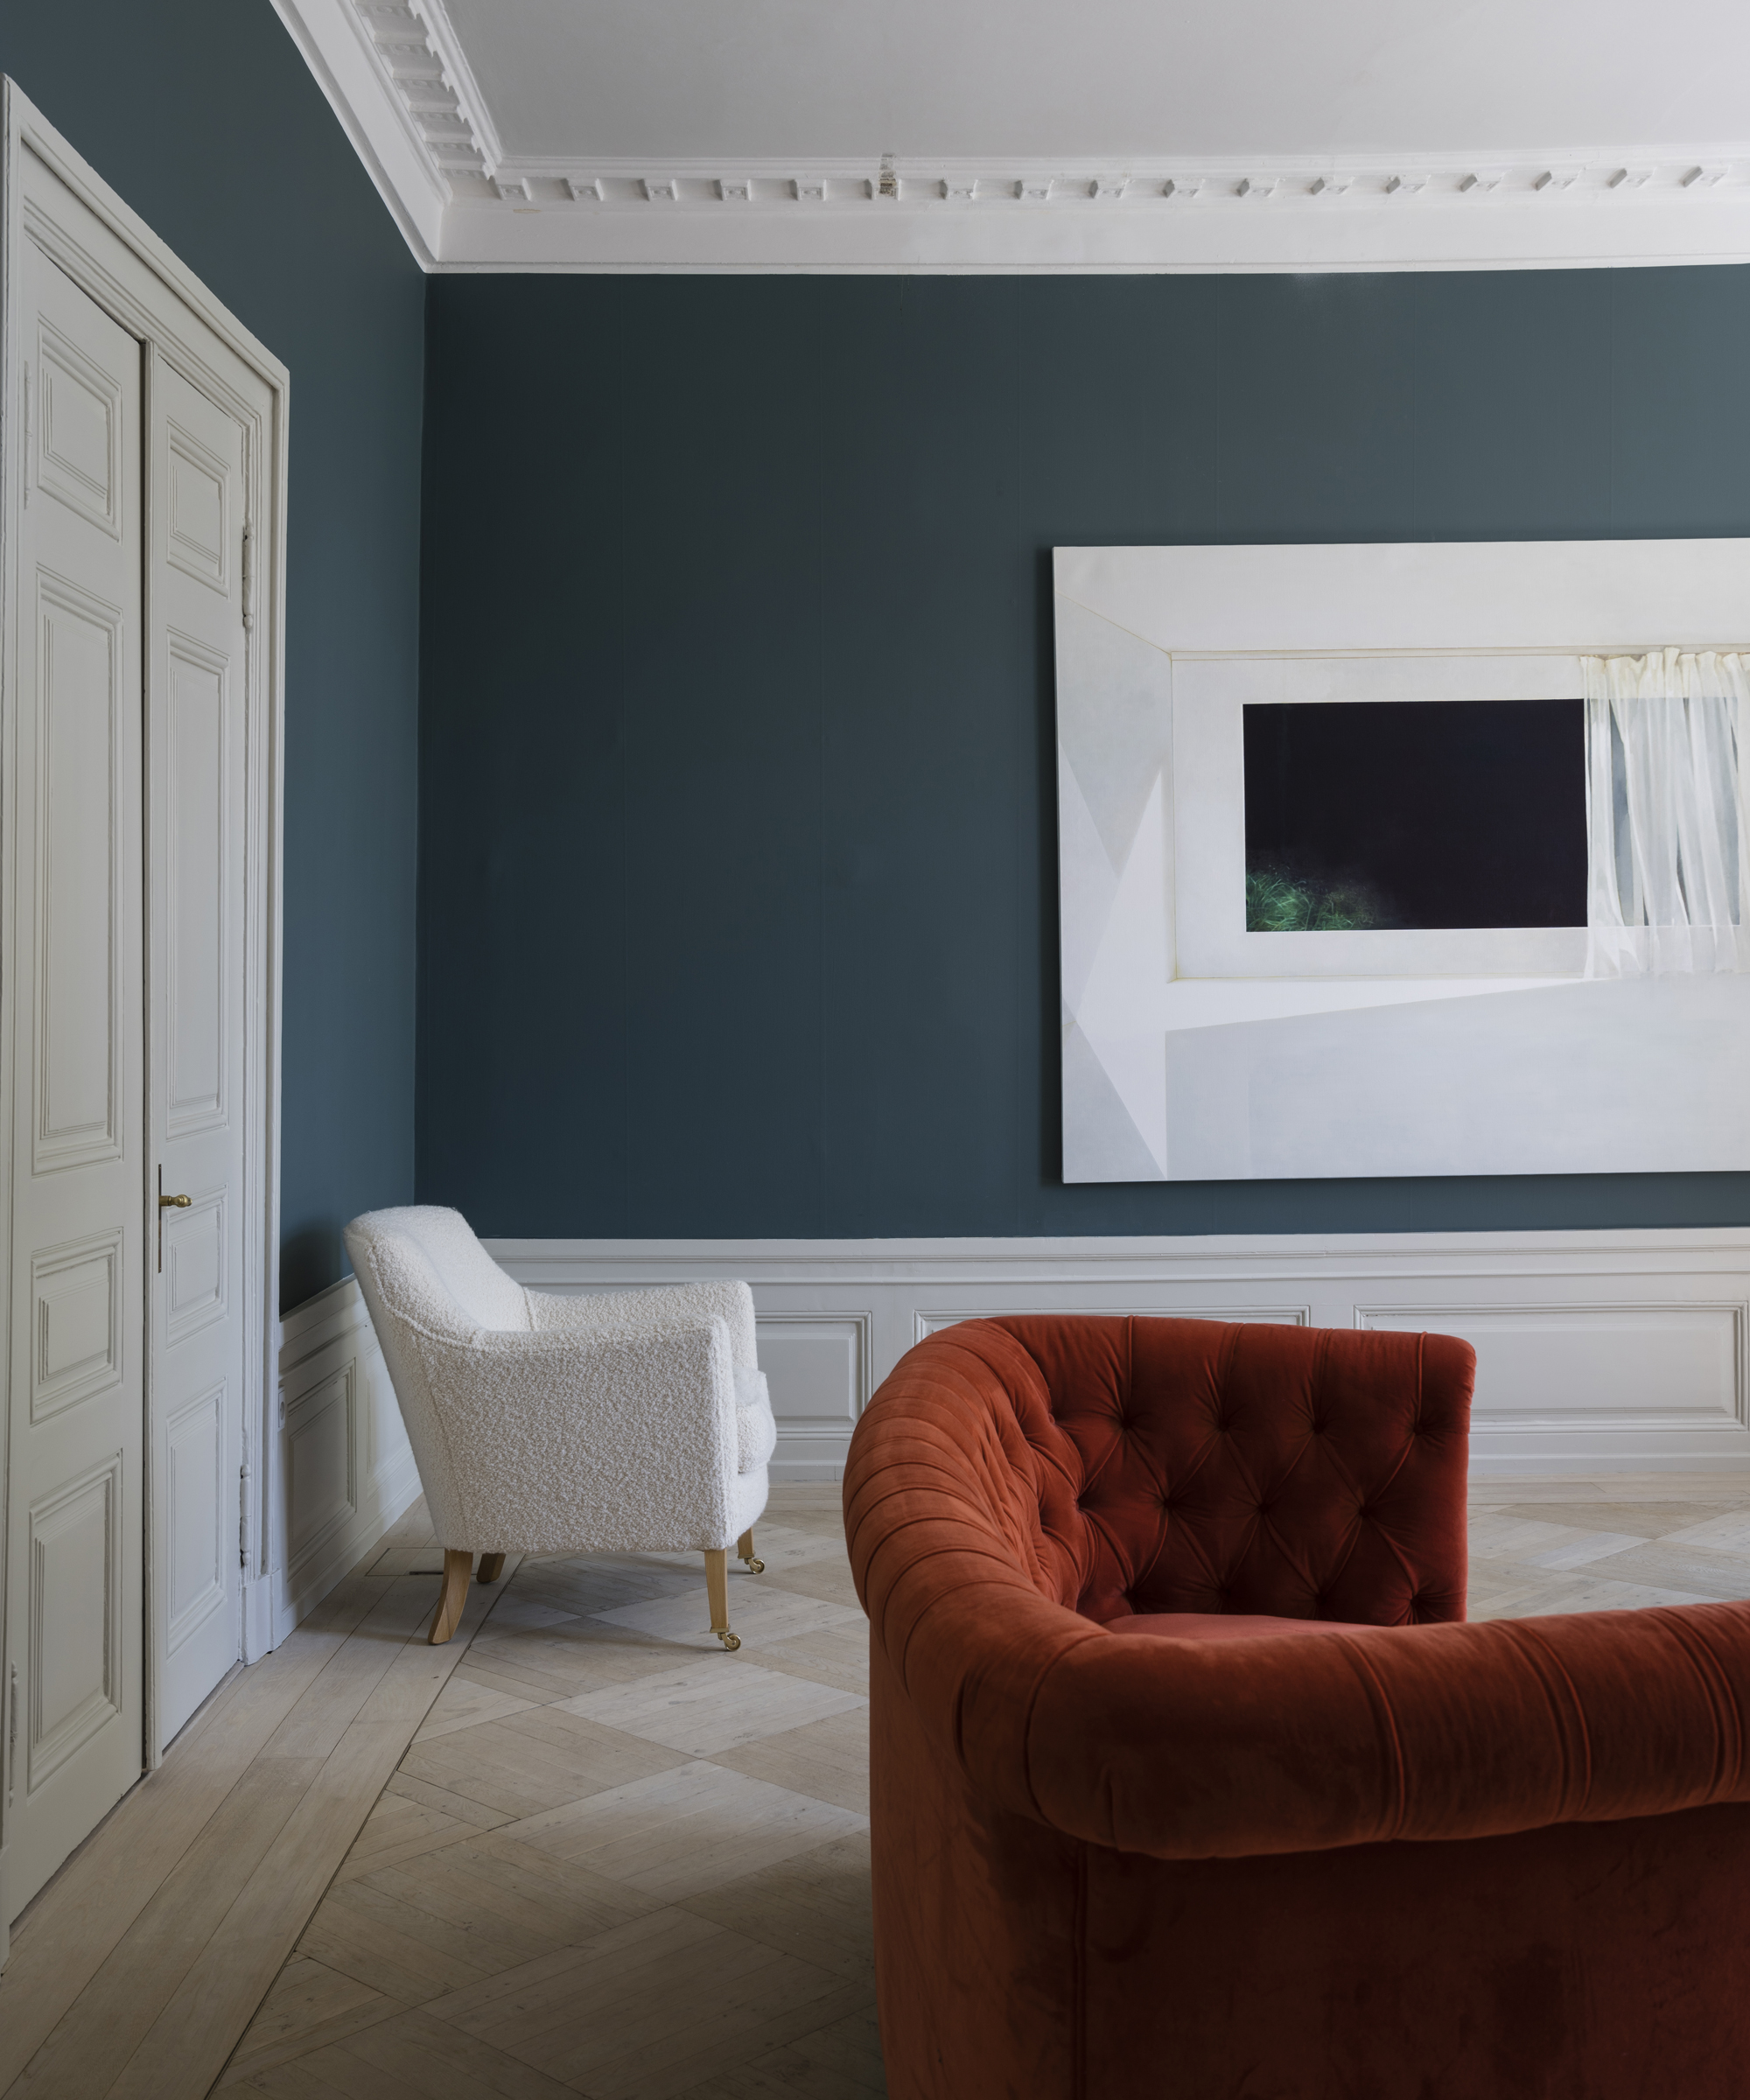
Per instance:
(491,1566)
(457,1569)
(744,1547)
(716,1587)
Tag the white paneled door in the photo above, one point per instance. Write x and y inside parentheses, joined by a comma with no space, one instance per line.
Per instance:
(197,683)
(79,1174)
(133,803)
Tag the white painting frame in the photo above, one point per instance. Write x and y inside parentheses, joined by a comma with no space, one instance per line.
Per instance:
(1192,1050)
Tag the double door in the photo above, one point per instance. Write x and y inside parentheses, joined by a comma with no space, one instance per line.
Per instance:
(124,1048)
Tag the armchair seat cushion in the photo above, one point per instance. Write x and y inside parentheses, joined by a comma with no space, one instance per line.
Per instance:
(756,1432)
(1219,1626)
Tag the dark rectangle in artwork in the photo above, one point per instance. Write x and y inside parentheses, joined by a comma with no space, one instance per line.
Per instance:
(1415,813)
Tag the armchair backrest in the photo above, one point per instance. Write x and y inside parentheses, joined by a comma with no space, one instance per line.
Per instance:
(421,1267)
(437,1271)
(1198,1465)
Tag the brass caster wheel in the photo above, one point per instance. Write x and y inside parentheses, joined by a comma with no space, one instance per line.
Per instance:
(755,1567)
(731,1641)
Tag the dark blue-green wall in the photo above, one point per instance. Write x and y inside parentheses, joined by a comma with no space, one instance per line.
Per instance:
(737,858)
(204,117)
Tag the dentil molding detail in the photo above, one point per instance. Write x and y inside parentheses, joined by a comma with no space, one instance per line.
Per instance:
(400,82)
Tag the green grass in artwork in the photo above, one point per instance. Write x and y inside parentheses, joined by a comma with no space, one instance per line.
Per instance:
(1280,904)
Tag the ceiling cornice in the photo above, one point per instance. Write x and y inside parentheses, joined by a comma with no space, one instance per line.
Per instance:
(400,81)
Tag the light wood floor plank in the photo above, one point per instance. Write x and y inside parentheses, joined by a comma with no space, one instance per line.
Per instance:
(457,1805)
(686,1831)
(658,2004)
(827,1579)
(702,1709)
(838,2061)
(309,2007)
(200,2024)
(439,2062)
(527,1903)
(462,1705)
(836,1655)
(814,1906)
(85,2055)
(827,1760)
(70,1931)
(506,1765)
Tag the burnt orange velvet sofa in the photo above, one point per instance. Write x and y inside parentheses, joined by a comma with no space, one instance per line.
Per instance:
(1399,1858)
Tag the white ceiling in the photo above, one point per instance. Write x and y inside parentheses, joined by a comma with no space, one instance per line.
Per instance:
(1054,134)
(1125,79)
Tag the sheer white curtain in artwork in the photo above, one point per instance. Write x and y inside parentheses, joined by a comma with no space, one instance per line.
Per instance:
(1667,744)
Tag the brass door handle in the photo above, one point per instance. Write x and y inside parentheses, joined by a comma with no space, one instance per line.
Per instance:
(174,1203)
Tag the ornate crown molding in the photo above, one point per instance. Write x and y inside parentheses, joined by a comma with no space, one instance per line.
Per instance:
(402,84)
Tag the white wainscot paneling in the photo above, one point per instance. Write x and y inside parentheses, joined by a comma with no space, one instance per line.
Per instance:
(1596,1351)
(816,1366)
(1624,1377)
(346,1469)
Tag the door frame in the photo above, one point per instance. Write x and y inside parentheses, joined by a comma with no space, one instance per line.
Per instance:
(178,293)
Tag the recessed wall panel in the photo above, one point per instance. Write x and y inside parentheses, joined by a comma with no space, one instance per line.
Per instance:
(321,1471)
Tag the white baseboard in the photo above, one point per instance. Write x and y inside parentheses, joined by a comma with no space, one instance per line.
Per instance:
(1598,1351)
(346,1467)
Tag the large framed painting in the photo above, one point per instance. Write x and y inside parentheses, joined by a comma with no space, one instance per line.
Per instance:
(1395,860)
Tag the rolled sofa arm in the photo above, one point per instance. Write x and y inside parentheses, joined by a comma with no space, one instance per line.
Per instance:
(1183,1750)
(615,1442)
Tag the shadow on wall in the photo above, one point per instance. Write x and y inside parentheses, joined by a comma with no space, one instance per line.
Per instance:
(310,1261)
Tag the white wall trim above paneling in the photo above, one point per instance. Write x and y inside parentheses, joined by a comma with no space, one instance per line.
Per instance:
(400,81)
(1608,1351)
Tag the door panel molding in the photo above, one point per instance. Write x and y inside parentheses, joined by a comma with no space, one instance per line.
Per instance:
(194,961)
(77,1322)
(74,1677)
(77,955)
(195,1482)
(66,466)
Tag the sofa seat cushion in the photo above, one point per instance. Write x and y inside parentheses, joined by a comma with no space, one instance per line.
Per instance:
(756,1432)
(1222,1626)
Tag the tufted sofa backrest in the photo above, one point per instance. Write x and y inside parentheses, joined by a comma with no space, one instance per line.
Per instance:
(1197,1466)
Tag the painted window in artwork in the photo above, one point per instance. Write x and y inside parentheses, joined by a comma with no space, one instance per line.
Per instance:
(1415,813)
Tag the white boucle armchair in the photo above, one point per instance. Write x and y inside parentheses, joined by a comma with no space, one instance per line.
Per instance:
(632,1423)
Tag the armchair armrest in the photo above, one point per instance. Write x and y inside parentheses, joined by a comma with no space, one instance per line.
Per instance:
(637,1312)
(577,1440)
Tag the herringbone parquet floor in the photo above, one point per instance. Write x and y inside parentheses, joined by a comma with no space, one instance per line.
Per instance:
(617,1862)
